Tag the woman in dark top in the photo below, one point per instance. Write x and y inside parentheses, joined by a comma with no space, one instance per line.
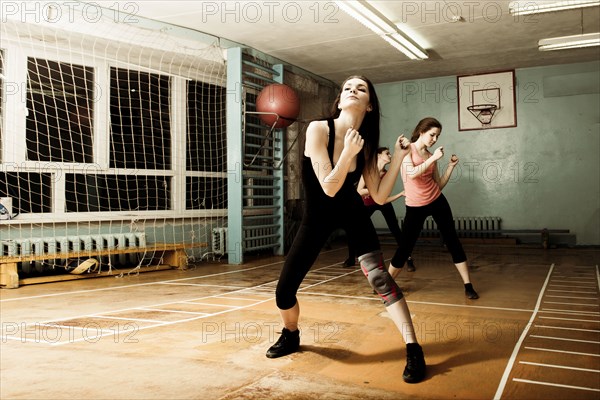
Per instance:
(335,157)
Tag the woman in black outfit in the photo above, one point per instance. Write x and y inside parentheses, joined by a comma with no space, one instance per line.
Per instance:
(335,157)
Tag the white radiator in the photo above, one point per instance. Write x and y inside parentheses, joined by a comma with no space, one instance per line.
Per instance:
(53,246)
(486,227)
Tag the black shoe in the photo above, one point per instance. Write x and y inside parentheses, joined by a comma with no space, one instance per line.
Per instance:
(350,262)
(414,371)
(410,265)
(288,343)
(470,292)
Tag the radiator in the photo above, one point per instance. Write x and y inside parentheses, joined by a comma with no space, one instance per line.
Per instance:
(476,227)
(219,241)
(52,246)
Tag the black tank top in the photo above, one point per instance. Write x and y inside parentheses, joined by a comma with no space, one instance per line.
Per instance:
(316,199)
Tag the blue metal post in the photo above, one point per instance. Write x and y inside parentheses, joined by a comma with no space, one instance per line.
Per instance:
(235,242)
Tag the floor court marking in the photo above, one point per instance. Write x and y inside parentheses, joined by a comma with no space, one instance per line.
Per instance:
(577,353)
(545,289)
(572,297)
(157,323)
(556,385)
(572,304)
(566,339)
(110,314)
(171,311)
(560,366)
(519,343)
(573,291)
(570,319)
(591,285)
(573,313)
(568,329)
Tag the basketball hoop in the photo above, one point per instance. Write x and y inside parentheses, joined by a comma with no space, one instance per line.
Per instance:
(483,112)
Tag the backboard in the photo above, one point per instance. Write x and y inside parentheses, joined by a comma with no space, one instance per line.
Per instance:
(486,101)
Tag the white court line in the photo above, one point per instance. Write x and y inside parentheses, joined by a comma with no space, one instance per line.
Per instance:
(590,286)
(565,339)
(73,327)
(568,329)
(560,366)
(578,353)
(513,356)
(570,319)
(573,291)
(572,297)
(200,285)
(20,339)
(107,316)
(572,304)
(171,311)
(209,304)
(234,298)
(556,385)
(569,312)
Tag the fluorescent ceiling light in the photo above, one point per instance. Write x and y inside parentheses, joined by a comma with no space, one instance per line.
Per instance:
(536,7)
(570,42)
(370,17)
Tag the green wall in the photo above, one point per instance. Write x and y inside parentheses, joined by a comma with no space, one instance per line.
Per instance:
(544,173)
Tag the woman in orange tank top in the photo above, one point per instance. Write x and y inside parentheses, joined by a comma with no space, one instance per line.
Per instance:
(423,189)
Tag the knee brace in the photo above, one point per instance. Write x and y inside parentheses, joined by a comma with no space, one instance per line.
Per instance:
(379,278)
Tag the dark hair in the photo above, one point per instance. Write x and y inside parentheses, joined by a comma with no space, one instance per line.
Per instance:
(423,126)
(369,129)
(382,149)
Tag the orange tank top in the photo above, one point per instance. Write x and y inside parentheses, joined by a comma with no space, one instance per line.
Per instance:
(422,190)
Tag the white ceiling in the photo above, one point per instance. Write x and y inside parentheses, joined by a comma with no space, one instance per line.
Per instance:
(319,37)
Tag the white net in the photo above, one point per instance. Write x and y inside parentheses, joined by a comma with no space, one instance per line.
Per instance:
(112,137)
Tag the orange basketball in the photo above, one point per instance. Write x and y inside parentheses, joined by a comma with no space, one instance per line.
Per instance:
(281,100)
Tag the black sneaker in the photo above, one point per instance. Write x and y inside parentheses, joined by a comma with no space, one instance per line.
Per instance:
(288,343)
(414,371)
(350,262)
(410,265)
(470,292)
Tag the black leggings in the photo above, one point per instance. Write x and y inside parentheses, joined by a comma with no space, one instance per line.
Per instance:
(387,210)
(440,210)
(314,231)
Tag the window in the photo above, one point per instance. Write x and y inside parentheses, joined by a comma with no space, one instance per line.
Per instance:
(30,192)
(206,127)
(88,193)
(140,125)
(59,121)
(206,193)
(206,139)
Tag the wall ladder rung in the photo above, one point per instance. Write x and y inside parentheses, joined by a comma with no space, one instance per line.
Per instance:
(261,67)
(257,76)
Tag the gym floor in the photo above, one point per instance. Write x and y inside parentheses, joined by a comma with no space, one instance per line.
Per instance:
(202,333)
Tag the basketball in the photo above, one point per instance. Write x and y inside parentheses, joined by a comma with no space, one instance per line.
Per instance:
(281,100)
